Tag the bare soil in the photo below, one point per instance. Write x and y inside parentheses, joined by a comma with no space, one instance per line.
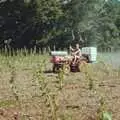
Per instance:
(75,101)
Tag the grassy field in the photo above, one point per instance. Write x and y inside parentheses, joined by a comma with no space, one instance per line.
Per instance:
(30,91)
(112,58)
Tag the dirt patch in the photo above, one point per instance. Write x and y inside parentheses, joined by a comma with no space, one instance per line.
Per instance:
(75,101)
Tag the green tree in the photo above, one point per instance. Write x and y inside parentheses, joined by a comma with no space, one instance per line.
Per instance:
(25,20)
(94,22)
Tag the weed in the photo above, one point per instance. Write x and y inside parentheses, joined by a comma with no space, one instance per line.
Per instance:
(12,82)
(103,114)
(61,78)
(49,99)
(53,107)
(7,103)
(89,74)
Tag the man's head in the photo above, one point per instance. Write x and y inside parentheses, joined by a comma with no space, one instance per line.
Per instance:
(77,46)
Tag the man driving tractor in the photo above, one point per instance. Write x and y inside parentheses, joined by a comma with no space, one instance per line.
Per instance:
(76,53)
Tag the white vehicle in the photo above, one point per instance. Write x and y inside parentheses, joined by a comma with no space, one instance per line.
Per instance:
(90,52)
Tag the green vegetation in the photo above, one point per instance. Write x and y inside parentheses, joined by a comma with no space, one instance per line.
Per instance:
(59,23)
(28,88)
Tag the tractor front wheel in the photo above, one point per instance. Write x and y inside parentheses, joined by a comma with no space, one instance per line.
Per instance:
(57,67)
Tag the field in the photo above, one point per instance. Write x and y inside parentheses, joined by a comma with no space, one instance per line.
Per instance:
(30,91)
(111,58)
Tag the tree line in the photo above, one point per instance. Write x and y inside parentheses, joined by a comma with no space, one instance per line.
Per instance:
(59,23)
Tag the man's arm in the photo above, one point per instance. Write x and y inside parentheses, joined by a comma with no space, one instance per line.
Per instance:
(71,48)
(78,51)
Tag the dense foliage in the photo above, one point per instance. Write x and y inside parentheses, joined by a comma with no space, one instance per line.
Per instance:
(29,23)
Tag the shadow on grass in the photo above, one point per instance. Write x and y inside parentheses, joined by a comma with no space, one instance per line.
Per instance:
(48,71)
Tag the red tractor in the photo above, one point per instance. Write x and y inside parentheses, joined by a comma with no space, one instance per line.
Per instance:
(61,60)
